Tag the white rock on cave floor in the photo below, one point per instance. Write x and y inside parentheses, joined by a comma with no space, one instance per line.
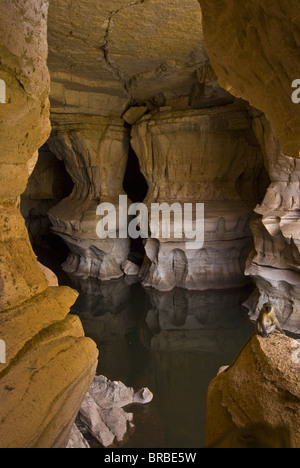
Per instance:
(102,413)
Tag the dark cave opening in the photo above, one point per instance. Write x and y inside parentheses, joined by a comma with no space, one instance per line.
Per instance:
(48,184)
(135,184)
(136,187)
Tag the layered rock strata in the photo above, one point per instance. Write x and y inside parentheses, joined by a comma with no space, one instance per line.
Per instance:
(48,364)
(133,52)
(256,57)
(275,263)
(95,152)
(248,32)
(262,386)
(208,156)
(99,77)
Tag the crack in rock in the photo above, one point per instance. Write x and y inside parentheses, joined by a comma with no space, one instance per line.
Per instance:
(105,49)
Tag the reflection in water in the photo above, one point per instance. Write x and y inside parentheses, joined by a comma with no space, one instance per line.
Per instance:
(174,343)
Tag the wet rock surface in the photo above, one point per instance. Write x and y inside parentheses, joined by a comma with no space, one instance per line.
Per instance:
(102,412)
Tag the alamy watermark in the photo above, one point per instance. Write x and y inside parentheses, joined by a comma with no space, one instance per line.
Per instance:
(296,353)
(296,94)
(176,221)
(2,352)
(2,92)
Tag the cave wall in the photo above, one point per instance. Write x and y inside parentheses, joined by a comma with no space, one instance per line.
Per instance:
(275,262)
(254,50)
(133,50)
(48,184)
(210,156)
(257,58)
(97,77)
(95,151)
(149,84)
(48,364)
(261,387)
(94,83)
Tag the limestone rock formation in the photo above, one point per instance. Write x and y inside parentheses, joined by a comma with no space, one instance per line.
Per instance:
(208,156)
(102,410)
(247,34)
(143,64)
(95,151)
(275,263)
(261,387)
(127,64)
(106,425)
(77,440)
(130,269)
(134,51)
(256,57)
(49,364)
(50,276)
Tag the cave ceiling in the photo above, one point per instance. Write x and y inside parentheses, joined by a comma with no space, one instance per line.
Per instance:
(119,52)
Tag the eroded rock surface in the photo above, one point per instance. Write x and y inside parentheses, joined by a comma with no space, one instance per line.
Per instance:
(102,410)
(111,72)
(49,364)
(136,56)
(208,156)
(134,51)
(254,50)
(266,34)
(274,264)
(262,386)
(95,152)
(77,440)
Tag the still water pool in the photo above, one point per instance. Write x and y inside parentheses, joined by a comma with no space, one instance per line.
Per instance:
(173,343)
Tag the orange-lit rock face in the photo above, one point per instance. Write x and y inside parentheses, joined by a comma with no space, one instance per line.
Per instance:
(261,386)
(254,48)
(46,353)
(25,126)
(103,57)
(25,115)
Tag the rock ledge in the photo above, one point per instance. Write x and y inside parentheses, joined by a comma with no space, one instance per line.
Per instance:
(262,386)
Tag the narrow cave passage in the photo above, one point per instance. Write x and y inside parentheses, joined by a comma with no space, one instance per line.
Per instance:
(135,184)
(136,187)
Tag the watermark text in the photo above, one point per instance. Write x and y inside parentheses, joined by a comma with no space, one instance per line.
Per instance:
(176,221)
(2,92)
(296,93)
(296,353)
(2,352)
